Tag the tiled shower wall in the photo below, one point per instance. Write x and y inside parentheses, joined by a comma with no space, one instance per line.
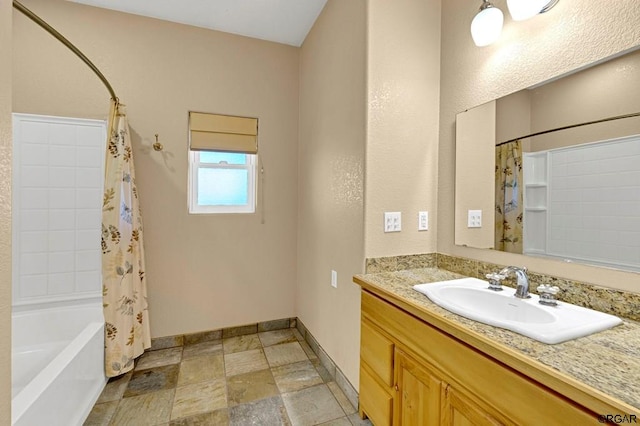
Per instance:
(594,203)
(57,198)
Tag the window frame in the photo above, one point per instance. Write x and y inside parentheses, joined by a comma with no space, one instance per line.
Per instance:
(195,165)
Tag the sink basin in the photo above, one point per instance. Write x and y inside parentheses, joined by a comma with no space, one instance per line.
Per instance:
(471,298)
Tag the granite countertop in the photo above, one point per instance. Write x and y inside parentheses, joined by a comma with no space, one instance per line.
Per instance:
(608,361)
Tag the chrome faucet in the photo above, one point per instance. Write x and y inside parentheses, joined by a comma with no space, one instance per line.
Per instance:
(522,289)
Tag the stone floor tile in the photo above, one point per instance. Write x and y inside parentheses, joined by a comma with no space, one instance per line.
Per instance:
(312,406)
(101,414)
(218,417)
(307,349)
(357,421)
(274,325)
(250,387)
(148,409)
(205,348)
(245,362)
(201,369)
(241,343)
(270,338)
(199,398)
(299,336)
(240,330)
(285,353)
(159,358)
(152,380)
(115,388)
(270,411)
(342,399)
(296,376)
(321,370)
(342,421)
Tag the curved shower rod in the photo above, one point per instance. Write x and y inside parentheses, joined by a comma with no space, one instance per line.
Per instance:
(62,39)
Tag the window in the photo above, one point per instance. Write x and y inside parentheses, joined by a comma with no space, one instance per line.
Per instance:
(222,163)
(221,182)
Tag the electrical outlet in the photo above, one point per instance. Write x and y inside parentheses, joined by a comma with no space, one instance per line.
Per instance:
(474,219)
(334,279)
(392,222)
(423,221)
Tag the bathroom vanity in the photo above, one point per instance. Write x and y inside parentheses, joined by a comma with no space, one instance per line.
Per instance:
(423,365)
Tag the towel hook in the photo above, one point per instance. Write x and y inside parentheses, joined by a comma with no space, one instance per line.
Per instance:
(157,146)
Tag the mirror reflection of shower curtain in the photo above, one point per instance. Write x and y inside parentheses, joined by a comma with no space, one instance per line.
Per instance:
(509,199)
(124,288)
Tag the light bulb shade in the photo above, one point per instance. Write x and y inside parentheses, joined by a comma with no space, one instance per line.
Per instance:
(487,26)
(525,9)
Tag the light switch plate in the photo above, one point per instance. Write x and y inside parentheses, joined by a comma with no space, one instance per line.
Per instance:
(334,279)
(423,221)
(392,222)
(474,219)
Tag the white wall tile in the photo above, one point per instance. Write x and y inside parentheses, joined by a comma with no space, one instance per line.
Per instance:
(34,176)
(33,263)
(62,198)
(88,260)
(602,195)
(61,262)
(88,240)
(89,157)
(34,154)
(88,219)
(34,220)
(62,219)
(88,198)
(60,284)
(62,155)
(34,132)
(91,136)
(62,134)
(34,241)
(33,286)
(62,177)
(59,181)
(33,198)
(61,241)
(89,178)
(88,281)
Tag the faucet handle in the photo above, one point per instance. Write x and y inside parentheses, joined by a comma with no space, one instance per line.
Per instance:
(548,295)
(495,281)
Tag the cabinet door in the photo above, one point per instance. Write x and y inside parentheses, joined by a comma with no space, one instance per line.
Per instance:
(458,409)
(418,398)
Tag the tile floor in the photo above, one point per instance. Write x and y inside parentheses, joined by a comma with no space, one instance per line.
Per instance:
(269,378)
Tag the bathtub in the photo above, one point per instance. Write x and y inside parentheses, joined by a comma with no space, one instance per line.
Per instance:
(57,364)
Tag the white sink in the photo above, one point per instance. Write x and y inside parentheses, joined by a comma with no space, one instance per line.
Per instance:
(471,298)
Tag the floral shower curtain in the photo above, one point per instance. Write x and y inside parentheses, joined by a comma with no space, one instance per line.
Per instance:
(124,286)
(508,234)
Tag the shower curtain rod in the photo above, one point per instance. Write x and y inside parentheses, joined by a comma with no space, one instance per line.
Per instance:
(62,39)
(571,126)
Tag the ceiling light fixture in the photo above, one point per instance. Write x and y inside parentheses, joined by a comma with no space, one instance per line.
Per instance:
(525,9)
(487,24)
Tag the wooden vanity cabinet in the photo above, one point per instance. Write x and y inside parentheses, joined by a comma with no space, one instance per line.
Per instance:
(413,374)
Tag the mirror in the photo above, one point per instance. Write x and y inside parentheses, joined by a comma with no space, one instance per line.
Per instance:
(572,194)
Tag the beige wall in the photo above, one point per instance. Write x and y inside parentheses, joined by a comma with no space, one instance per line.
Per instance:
(571,35)
(513,116)
(475,171)
(606,90)
(402,141)
(5,211)
(197,265)
(331,176)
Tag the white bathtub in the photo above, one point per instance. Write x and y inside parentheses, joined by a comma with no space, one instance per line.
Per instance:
(57,366)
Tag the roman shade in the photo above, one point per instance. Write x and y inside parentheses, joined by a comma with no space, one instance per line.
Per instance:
(215,132)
